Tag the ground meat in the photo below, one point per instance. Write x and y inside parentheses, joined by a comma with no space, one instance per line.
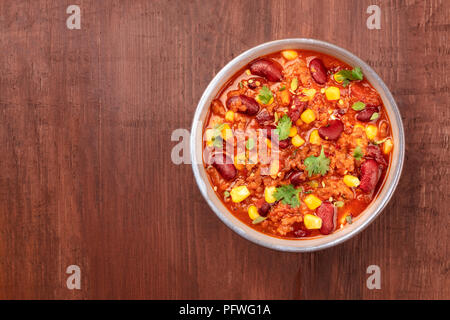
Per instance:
(256,174)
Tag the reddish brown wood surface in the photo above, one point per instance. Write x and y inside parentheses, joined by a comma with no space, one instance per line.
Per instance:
(86,176)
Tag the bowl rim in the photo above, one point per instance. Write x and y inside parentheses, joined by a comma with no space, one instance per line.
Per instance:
(264,239)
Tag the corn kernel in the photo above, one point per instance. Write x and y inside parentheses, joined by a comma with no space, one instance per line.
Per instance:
(387,146)
(371,132)
(268,194)
(332,93)
(310,93)
(274,168)
(229,116)
(297,141)
(341,102)
(351,181)
(292,131)
(312,222)
(269,143)
(253,212)
(289,54)
(359,142)
(299,122)
(308,116)
(314,137)
(312,202)
(314,184)
(239,194)
(227,133)
(239,161)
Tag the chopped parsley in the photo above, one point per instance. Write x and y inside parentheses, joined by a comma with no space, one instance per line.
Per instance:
(217,141)
(339,204)
(317,165)
(226,194)
(241,85)
(283,127)
(375,116)
(282,88)
(250,144)
(380,141)
(288,195)
(258,219)
(358,153)
(345,76)
(349,219)
(265,95)
(294,84)
(358,106)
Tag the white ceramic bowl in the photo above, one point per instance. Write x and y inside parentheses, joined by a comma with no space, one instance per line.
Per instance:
(340,235)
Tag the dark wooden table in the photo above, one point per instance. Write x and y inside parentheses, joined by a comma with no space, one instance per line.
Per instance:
(86,176)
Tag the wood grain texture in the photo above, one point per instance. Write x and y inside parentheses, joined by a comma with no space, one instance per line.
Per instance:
(86,176)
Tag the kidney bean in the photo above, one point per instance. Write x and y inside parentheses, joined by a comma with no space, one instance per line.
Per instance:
(299,230)
(374,152)
(364,115)
(269,128)
(264,117)
(252,107)
(369,175)
(252,82)
(224,166)
(283,144)
(326,213)
(297,178)
(332,131)
(296,108)
(318,71)
(264,209)
(299,233)
(267,68)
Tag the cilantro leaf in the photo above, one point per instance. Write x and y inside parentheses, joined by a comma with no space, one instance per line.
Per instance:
(265,95)
(288,195)
(358,153)
(317,165)
(358,106)
(283,127)
(345,76)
